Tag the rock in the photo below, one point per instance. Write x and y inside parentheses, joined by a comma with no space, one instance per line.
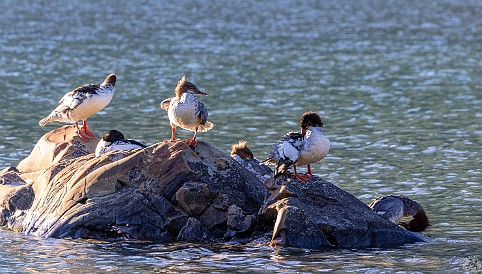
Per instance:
(192,231)
(11,177)
(16,196)
(58,145)
(194,197)
(169,191)
(317,214)
(238,221)
(162,192)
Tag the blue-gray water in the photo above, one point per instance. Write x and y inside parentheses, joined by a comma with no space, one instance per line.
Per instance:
(399,84)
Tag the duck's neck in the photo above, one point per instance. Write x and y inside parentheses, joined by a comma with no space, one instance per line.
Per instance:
(106,87)
(313,132)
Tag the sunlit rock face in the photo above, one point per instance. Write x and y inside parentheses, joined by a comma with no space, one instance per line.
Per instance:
(164,192)
(170,191)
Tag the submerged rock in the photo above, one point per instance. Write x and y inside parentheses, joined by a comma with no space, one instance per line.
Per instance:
(169,191)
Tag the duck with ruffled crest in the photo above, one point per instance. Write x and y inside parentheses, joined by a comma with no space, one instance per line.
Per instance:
(241,153)
(81,103)
(186,111)
(300,148)
(114,140)
(394,207)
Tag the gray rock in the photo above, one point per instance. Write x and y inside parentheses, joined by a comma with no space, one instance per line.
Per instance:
(169,191)
(192,231)
(317,214)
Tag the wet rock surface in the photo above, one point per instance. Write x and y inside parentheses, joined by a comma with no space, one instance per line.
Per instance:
(169,191)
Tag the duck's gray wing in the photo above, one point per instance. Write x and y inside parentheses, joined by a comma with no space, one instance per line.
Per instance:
(201,113)
(75,97)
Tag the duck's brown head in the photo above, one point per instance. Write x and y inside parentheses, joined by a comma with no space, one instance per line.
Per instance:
(184,86)
(310,119)
(113,135)
(111,79)
(242,150)
(418,223)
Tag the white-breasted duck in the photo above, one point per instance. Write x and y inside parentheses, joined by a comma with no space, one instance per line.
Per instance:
(115,140)
(394,207)
(81,103)
(300,148)
(186,111)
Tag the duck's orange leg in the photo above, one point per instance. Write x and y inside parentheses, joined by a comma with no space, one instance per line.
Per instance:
(192,142)
(309,171)
(86,130)
(81,133)
(303,178)
(173,134)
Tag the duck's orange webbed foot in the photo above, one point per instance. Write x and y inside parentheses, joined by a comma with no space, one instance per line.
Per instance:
(192,142)
(303,178)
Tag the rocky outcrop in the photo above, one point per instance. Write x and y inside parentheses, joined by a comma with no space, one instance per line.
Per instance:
(318,214)
(164,192)
(169,191)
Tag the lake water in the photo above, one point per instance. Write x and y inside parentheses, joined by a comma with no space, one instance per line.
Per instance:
(398,83)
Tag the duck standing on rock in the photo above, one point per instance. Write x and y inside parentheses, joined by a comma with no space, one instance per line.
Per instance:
(395,207)
(115,140)
(300,148)
(186,111)
(81,103)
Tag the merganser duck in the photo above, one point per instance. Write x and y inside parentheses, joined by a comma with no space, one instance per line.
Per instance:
(186,111)
(81,103)
(243,155)
(115,140)
(394,208)
(300,148)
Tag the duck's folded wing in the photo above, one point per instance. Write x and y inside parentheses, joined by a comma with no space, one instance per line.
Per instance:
(296,139)
(201,113)
(75,97)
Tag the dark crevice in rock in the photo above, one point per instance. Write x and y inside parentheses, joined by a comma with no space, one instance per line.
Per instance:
(121,183)
(331,239)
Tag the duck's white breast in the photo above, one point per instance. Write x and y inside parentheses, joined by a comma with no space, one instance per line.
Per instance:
(182,113)
(91,105)
(315,149)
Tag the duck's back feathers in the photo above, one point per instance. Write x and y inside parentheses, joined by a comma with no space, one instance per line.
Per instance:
(201,113)
(285,152)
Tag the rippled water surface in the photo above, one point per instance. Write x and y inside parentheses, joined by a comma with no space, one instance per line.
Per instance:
(399,84)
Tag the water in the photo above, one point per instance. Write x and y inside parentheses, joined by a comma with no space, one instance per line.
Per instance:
(398,84)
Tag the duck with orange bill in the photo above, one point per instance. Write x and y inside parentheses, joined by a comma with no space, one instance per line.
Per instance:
(186,111)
